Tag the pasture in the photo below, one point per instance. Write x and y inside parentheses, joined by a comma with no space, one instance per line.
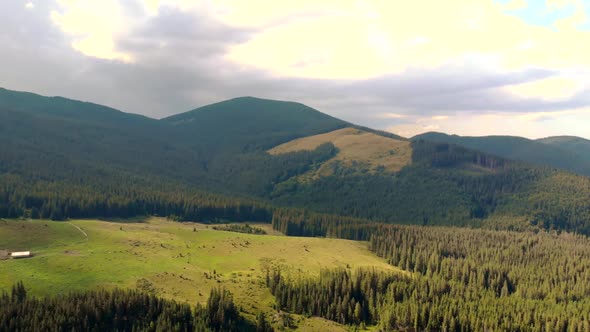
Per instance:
(354,147)
(181,261)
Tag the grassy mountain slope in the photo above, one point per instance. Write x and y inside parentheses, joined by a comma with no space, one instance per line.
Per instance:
(518,148)
(172,260)
(354,146)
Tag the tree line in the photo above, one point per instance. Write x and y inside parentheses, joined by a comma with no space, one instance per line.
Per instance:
(120,310)
(122,198)
(454,279)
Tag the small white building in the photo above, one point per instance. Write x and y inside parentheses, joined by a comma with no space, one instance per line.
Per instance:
(20,254)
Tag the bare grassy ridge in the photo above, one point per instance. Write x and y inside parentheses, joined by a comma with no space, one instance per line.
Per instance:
(355,147)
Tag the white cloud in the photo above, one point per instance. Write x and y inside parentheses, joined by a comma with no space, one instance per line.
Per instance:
(548,89)
(539,116)
(412,129)
(381,37)
(570,23)
(531,125)
(151,6)
(457,66)
(93,26)
(515,5)
(392,116)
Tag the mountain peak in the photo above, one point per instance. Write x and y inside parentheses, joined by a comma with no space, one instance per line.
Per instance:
(242,121)
(252,106)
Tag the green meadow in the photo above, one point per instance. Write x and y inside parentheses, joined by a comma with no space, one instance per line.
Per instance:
(180,261)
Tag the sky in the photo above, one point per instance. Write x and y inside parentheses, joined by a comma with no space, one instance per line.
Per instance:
(466,67)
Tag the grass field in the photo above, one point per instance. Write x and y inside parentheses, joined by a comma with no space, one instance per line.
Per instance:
(355,146)
(182,261)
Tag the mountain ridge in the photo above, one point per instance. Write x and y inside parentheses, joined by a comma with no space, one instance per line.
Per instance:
(214,164)
(578,145)
(518,148)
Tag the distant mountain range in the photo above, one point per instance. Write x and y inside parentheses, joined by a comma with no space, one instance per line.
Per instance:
(577,145)
(562,152)
(244,158)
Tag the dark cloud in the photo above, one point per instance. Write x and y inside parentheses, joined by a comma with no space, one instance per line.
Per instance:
(184,37)
(180,65)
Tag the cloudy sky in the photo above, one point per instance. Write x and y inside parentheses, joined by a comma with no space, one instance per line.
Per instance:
(468,67)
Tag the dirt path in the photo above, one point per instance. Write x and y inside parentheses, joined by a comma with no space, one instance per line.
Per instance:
(80,229)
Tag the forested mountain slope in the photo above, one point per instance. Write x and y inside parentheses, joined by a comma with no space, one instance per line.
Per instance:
(65,158)
(61,158)
(450,185)
(577,145)
(522,149)
(248,123)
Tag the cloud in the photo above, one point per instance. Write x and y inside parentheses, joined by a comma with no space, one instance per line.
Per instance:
(379,37)
(571,23)
(532,125)
(178,35)
(412,129)
(392,115)
(544,116)
(547,89)
(93,26)
(514,5)
(458,67)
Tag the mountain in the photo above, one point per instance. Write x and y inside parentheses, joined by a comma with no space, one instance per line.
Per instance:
(39,130)
(559,153)
(250,159)
(73,110)
(249,123)
(62,157)
(577,145)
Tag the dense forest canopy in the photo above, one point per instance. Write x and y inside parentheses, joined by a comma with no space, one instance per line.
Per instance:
(566,153)
(119,310)
(457,280)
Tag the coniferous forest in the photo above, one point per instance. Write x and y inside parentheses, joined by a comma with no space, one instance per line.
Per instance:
(118,310)
(455,280)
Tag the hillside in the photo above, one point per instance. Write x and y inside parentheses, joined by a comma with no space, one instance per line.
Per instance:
(567,154)
(73,110)
(69,159)
(355,147)
(249,123)
(469,279)
(577,145)
(176,261)
(450,185)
